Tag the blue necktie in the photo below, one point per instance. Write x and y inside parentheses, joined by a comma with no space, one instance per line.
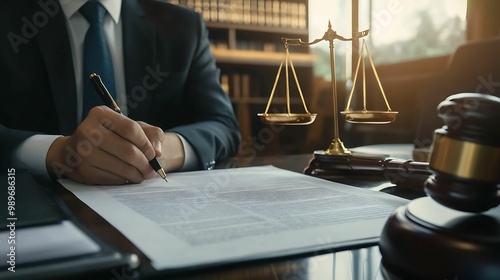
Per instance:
(96,56)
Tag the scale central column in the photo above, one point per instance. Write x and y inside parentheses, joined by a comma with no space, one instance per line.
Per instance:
(336,146)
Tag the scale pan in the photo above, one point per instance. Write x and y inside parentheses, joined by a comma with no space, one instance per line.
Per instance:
(369,117)
(287,119)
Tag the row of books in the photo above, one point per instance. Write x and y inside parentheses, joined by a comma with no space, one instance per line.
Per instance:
(249,45)
(236,85)
(245,86)
(289,14)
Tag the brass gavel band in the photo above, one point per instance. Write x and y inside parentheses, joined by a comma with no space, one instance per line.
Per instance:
(466,160)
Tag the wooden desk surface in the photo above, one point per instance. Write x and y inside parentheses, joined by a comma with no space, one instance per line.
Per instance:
(354,264)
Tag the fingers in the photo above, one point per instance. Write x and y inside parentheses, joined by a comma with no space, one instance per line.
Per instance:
(63,160)
(125,128)
(132,163)
(106,148)
(106,169)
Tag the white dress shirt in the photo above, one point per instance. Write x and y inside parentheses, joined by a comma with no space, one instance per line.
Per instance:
(32,152)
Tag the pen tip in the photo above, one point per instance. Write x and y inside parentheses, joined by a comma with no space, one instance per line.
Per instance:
(162,174)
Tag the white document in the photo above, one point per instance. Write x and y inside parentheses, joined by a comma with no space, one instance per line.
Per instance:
(228,215)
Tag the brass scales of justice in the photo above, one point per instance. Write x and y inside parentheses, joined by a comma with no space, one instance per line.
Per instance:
(327,162)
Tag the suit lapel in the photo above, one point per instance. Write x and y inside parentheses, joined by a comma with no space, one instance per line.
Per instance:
(56,51)
(139,53)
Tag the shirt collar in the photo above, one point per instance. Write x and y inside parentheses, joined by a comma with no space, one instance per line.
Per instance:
(70,7)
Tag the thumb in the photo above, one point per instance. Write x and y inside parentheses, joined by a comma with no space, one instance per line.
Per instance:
(155,136)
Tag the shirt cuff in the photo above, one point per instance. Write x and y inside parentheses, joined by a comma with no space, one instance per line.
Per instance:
(190,158)
(31,154)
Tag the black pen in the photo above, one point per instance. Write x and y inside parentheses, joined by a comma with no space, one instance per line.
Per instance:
(110,102)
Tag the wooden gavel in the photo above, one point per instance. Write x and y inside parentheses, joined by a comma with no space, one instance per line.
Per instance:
(428,238)
(465,156)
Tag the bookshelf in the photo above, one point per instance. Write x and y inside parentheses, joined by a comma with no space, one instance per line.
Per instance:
(246,41)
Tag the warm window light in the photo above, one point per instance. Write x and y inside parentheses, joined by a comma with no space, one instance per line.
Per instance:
(400,30)
(407,30)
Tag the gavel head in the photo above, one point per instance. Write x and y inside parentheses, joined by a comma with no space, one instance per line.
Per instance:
(465,155)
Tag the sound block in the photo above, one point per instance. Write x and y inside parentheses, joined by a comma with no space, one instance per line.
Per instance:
(425,240)
(323,165)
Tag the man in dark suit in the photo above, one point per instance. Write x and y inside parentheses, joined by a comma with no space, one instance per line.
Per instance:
(167,83)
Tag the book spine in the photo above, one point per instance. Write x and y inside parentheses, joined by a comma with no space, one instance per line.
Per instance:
(286,14)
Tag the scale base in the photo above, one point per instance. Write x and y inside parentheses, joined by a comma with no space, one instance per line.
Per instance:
(337,149)
(325,165)
(425,240)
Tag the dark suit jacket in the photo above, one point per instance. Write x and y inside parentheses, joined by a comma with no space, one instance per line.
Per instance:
(171,77)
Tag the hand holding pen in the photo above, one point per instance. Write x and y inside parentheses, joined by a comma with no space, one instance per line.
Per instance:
(109,149)
(110,102)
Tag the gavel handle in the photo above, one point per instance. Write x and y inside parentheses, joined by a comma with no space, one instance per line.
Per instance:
(389,164)
(397,171)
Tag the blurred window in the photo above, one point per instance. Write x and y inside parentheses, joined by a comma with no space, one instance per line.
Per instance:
(400,30)
(403,30)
